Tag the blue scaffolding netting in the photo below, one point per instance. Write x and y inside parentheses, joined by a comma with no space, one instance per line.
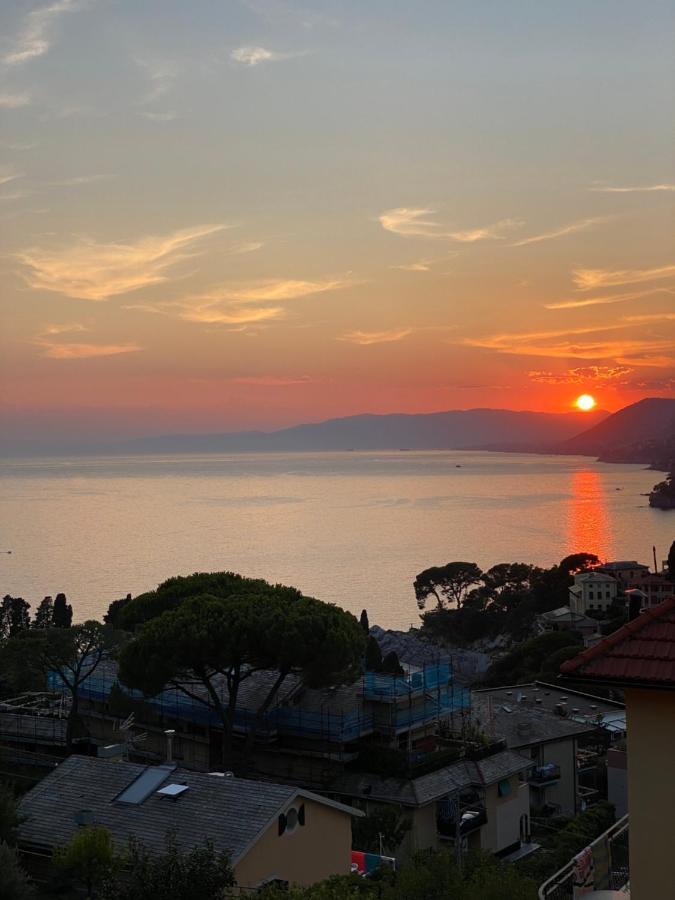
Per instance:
(430,691)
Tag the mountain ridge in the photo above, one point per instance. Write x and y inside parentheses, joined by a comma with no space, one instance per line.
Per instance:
(471,429)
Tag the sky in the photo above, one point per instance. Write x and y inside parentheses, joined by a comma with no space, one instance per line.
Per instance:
(230,214)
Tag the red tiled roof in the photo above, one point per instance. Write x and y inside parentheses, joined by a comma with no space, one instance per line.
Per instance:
(640,653)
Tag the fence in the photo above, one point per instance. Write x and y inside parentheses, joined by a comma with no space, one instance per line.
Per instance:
(610,867)
(388,686)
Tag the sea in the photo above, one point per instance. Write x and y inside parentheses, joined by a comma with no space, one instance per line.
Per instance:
(350,528)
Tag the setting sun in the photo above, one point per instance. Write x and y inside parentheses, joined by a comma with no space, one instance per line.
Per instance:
(585,402)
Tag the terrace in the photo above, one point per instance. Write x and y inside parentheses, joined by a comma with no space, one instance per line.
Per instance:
(603,866)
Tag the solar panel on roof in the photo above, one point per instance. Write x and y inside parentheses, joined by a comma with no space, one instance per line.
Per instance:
(172,790)
(147,782)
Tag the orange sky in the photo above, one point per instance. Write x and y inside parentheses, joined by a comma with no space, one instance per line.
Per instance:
(266,213)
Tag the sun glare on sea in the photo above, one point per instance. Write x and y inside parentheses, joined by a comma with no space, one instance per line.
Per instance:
(585,402)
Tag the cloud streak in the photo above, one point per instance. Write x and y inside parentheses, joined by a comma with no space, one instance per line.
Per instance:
(366,338)
(606,300)
(34,39)
(90,270)
(242,304)
(582,375)
(53,348)
(416,222)
(577,343)
(589,279)
(14,101)
(254,56)
(634,189)
(564,230)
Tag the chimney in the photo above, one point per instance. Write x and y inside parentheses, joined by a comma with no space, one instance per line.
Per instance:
(169,744)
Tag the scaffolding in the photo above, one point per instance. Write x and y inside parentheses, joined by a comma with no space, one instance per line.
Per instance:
(378,702)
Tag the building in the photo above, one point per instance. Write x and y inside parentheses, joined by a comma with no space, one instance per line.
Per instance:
(640,660)
(625,572)
(592,592)
(306,736)
(271,832)
(563,619)
(655,588)
(563,733)
(483,802)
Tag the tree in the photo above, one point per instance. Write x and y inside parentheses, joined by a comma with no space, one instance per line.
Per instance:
(386,823)
(525,661)
(212,640)
(172,592)
(671,561)
(63,612)
(391,664)
(505,584)
(373,655)
(175,874)
(44,614)
(365,624)
(14,882)
(67,655)
(577,562)
(114,613)
(14,616)
(449,584)
(89,858)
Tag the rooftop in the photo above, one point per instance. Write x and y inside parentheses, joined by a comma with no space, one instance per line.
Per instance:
(623,564)
(641,653)
(230,812)
(527,714)
(434,786)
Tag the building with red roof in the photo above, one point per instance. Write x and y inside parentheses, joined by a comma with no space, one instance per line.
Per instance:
(640,659)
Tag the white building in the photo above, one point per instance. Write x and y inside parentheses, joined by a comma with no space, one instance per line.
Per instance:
(591,592)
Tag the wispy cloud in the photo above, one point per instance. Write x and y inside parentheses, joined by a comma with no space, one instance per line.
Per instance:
(577,343)
(589,279)
(8,174)
(14,101)
(96,271)
(76,180)
(583,375)
(416,222)
(254,56)
(365,338)
(609,299)
(633,189)
(161,75)
(167,116)
(54,348)
(421,265)
(242,303)
(651,317)
(272,380)
(572,228)
(34,39)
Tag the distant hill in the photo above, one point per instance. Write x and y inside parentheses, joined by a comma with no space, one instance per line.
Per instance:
(643,432)
(470,429)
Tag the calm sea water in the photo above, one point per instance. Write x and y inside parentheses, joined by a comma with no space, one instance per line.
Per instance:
(351,528)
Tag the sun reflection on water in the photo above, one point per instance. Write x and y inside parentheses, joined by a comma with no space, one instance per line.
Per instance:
(587,517)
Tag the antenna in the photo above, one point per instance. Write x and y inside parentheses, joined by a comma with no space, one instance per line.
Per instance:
(656,568)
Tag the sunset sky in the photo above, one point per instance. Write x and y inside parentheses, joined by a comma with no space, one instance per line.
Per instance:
(219,215)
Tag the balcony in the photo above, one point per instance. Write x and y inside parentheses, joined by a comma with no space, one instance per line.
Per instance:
(469,808)
(543,776)
(610,871)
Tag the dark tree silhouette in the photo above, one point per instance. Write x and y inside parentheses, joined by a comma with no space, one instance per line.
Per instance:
(44,614)
(449,584)
(63,612)
(365,624)
(14,616)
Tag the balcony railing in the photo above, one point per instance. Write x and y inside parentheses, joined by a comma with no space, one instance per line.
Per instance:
(544,775)
(610,866)
(471,819)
